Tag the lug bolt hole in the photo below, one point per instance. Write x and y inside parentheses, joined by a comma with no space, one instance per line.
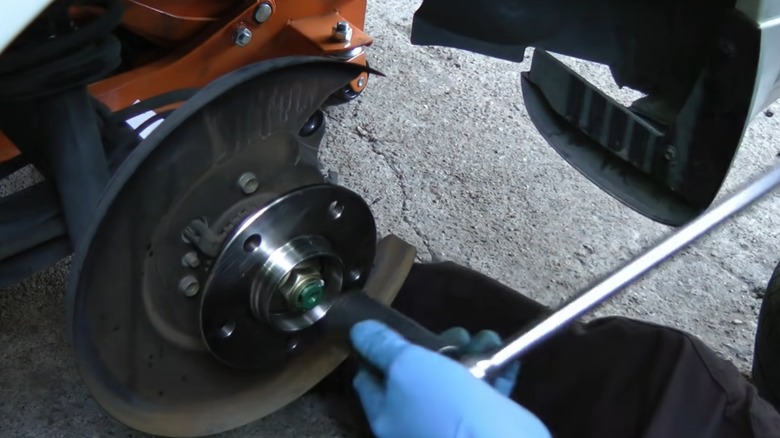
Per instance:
(354,274)
(335,210)
(227,329)
(252,243)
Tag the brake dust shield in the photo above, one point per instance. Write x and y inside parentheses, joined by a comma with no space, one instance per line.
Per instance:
(134,325)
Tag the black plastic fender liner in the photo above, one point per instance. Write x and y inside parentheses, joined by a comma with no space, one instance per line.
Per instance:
(698,61)
(633,37)
(669,173)
(608,171)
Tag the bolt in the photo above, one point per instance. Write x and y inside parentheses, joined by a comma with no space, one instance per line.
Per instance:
(189,286)
(248,183)
(190,260)
(310,295)
(361,81)
(243,36)
(263,12)
(342,32)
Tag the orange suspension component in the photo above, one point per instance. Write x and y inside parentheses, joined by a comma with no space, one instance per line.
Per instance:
(199,40)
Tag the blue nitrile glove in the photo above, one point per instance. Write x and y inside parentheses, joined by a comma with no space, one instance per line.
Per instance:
(427,395)
(483,342)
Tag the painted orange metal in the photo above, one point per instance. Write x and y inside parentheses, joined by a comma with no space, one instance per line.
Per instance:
(170,22)
(202,33)
(7,149)
(291,30)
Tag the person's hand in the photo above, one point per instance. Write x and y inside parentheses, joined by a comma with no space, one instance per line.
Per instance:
(424,394)
(483,342)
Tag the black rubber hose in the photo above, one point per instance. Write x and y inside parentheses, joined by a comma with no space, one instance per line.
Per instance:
(46,66)
(13,60)
(77,69)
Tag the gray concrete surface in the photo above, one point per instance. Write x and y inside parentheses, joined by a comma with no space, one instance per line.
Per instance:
(444,151)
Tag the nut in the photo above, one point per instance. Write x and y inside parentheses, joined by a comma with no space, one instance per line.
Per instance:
(342,32)
(248,183)
(243,36)
(189,286)
(304,288)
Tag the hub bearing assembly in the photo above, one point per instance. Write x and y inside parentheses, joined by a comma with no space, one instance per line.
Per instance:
(303,250)
(196,297)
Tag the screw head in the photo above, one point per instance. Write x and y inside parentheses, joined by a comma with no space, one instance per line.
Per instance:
(243,36)
(189,286)
(248,183)
(342,32)
(190,260)
(263,12)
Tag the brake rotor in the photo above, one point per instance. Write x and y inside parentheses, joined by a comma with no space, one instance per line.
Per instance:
(137,288)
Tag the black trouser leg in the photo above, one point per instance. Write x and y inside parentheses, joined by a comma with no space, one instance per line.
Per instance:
(615,378)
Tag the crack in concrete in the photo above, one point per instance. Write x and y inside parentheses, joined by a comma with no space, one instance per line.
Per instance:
(374,144)
(754,288)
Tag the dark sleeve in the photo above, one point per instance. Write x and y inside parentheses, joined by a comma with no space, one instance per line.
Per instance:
(613,377)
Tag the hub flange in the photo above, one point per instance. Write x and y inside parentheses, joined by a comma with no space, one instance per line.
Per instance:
(279,272)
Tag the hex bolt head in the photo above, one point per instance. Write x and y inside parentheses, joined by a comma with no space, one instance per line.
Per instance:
(263,12)
(248,183)
(190,260)
(342,32)
(189,286)
(243,36)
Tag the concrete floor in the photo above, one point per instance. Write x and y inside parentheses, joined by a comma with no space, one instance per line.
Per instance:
(444,151)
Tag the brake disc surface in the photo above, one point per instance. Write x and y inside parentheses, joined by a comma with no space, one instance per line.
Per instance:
(134,326)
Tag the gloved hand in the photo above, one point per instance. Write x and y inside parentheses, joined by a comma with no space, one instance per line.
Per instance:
(424,394)
(481,343)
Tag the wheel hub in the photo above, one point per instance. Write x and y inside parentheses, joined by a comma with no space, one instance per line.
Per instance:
(287,263)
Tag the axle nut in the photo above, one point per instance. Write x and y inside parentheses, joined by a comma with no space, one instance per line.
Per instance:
(310,296)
